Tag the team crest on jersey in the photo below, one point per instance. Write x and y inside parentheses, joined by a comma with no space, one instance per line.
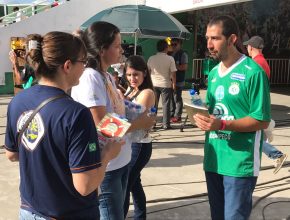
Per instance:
(238,76)
(33,133)
(234,89)
(220,93)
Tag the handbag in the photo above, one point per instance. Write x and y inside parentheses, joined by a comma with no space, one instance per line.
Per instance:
(41,105)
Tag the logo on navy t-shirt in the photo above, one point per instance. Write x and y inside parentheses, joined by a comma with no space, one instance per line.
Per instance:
(33,133)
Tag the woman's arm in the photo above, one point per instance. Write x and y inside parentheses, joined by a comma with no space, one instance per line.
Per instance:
(98,113)
(15,67)
(147,99)
(12,156)
(88,181)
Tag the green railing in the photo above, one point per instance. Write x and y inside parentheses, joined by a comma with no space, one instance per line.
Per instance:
(26,12)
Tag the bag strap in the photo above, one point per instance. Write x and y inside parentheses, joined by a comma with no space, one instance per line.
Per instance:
(20,133)
(129,91)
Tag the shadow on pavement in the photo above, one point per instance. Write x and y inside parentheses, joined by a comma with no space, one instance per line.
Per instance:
(198,209)
(172,145)
(176,160)
(284,90)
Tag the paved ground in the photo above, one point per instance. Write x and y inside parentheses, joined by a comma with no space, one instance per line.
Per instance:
(174,180)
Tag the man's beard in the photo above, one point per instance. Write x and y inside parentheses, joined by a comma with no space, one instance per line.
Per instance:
(215,56)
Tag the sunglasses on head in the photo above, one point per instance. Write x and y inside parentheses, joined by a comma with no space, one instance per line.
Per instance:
(174,44)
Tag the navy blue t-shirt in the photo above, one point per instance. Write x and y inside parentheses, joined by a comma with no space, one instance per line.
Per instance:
(60,140)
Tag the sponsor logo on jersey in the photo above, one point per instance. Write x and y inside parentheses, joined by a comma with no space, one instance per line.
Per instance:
(33,133)
(234,89)
(92,147)
(238,76)
(220,93)
(221,135)
(220,111)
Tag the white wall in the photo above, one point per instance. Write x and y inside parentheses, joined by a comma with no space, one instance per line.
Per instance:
(66,17)
(174,6)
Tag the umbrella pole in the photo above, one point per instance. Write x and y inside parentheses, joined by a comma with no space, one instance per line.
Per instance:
(135,44)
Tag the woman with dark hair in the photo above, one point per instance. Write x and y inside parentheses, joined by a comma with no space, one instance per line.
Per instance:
(60,162)
(140,91)
(97,91)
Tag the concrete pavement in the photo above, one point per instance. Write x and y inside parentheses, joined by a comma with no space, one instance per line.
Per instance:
(174,179)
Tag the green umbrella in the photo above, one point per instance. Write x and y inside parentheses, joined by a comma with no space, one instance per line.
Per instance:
(142,21)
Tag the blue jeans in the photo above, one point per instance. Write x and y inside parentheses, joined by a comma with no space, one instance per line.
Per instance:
(272,152)
(141,154)
(230,198)
(112,194)
(92,213)
(27,215)
(177,103)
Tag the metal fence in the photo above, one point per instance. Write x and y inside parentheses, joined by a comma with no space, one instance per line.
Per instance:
(30,10)
(280,70)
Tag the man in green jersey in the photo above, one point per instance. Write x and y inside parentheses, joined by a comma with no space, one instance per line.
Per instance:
(239,103)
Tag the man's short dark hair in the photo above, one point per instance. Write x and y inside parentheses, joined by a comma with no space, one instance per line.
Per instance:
(228,23)
(161,45)
(178,40)
(16,8)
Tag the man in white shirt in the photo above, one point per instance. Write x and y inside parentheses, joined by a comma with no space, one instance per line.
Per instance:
(163,74)
(19,14)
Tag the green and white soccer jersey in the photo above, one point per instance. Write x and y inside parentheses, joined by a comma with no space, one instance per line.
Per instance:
(243,91)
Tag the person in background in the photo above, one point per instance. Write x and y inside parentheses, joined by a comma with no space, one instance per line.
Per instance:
(97,91)
(2,24)
(55,3)
(24,77)
(19,14)
(17,73)
(238,100)
(60,162)
(119,68)
(163,73)
(117,82)
(255,47)
(181,62)
(140,91)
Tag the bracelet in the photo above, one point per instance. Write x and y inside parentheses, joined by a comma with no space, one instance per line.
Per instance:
(223,125)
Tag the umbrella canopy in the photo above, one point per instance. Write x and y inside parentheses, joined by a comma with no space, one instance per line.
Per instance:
(141,20)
